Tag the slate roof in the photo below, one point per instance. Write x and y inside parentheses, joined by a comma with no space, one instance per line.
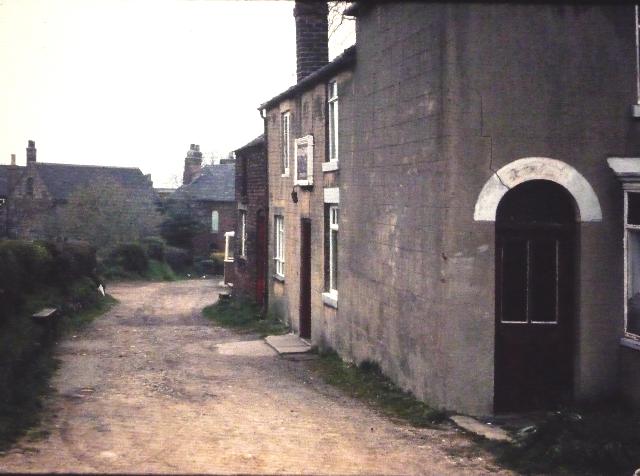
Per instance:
(61,180)
(216,183)
(341,62)
(255,142)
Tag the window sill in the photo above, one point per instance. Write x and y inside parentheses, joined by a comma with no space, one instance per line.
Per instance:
(286,174)
(630,343)
(229,260)
(277,277)
(330,166)
(330,299)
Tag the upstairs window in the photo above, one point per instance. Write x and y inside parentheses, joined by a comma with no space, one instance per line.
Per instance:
(286,141)
(214,221)
(332,98)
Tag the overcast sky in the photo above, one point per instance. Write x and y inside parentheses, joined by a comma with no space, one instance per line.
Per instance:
(134,82)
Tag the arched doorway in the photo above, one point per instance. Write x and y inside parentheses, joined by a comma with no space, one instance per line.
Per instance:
(536,238)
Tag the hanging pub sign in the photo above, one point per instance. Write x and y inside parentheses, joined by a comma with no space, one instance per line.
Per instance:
(304,161)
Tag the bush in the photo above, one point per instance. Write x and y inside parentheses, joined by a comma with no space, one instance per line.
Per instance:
(178,258)
(154,247)
(131,257)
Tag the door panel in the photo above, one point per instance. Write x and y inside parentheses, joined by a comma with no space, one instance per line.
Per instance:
(305,278)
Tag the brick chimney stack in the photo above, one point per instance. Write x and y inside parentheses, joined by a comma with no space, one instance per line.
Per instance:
(192,164)
(31,152)
(312,36)
(13,160)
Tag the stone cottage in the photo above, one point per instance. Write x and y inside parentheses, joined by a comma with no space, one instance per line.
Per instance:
(209,194)
(484,204)
(251,239)
(304,175)
(32,195)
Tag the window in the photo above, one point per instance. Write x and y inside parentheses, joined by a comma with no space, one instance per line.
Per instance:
(279,251)
(333,249)
(243,234)
(286,142)
(214,221)
(632,271)
(332,98)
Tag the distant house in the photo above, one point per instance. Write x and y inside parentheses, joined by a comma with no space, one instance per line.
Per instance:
(251,239)
(209,192)
(32,195)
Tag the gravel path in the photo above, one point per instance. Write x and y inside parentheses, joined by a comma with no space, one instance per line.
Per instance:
(153,387)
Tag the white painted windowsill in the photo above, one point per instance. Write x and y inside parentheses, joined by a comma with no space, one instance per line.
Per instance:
(630,343)
(277,277)
(330,166)
(330,299)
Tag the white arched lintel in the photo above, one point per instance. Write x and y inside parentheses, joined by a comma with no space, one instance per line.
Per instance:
(537,168)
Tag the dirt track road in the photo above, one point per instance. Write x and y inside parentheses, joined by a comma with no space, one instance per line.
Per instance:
(153,387)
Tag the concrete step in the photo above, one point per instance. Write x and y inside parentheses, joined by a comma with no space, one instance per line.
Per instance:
(288,344)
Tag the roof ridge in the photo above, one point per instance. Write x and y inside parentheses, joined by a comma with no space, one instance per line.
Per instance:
(89,166)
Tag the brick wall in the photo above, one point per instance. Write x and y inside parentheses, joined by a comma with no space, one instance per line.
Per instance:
(308,111)
(207,241)
(252,179)
(444,95)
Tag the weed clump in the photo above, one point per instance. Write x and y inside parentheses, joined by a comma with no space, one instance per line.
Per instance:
(245,316)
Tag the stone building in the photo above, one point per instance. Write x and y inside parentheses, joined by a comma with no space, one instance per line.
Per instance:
(304,175)
(209,194)
(488,202)
(251,240)
(31,196)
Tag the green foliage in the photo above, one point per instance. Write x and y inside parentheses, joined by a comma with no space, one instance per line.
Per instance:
(160,271)
(367,382)
(245,316)
(180,225)
(130,257)
(105,214)
(154,247)
(178,258)
(602,439)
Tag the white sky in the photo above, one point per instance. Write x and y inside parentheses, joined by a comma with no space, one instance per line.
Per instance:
(134,82)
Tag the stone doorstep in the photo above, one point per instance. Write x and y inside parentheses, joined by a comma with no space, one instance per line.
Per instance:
(288,344)
(476,427)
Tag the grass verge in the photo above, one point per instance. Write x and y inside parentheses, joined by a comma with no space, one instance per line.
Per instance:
(244,316)
(35,365)
(367,382)
(595,440)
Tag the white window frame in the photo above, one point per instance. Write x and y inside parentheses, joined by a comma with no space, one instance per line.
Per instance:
(243,234)
(216,228)
(628,230)
(334,217)
(279,245)
(228,253)
(304,149)
(332,99)
(285,139)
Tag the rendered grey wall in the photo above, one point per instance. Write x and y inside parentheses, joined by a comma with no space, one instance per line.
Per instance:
(444,95)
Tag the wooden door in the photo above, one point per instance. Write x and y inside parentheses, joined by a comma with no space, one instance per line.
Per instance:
(535,277)
(305,278)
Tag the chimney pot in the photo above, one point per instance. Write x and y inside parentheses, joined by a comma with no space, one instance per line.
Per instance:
(31,152)
(13,159)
